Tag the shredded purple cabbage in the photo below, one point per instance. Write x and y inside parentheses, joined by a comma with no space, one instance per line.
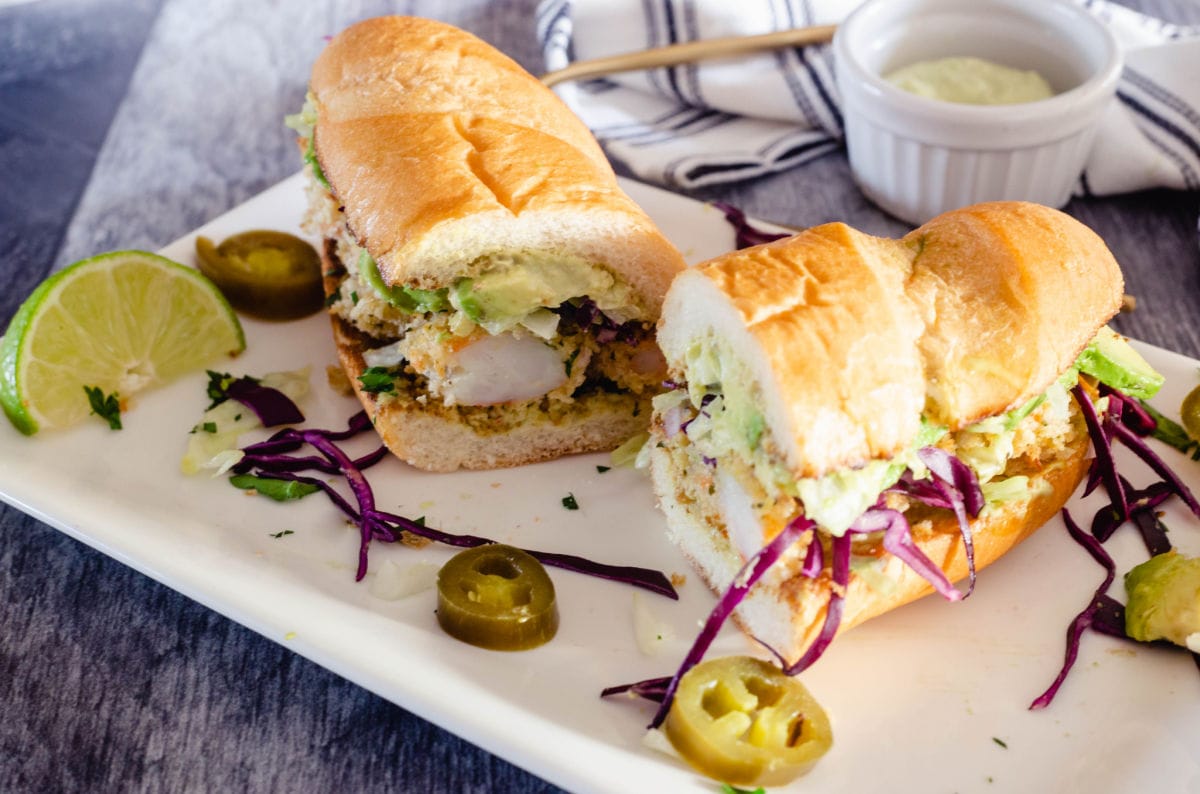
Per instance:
(1108,616)
(269,459)
(645,578)
(584,315)
(280,463)
(953,486)
(745,578)
(928,492)
(840,571)
(1142,503)
(1128,422)
(746,234)
(897,539)
(271,406)
(953,472)
(1112,427)
(1140,448)
(961,488)
(1104,465)
(704,401)
(814,560)
(1132,414)
(750,573)
(1087,618)
(1152,530)
(654,689)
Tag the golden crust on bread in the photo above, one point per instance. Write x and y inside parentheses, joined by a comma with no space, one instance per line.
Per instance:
(1010,293)
(442,151)
(820,323)
(398,64)
(849,338)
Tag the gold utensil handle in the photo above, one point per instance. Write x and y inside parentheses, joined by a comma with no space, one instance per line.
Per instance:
(690,52)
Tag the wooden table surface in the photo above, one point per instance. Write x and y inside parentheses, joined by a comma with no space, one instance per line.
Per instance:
(127,125)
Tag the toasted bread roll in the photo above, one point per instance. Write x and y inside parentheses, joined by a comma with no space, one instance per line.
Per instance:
(479,250)
(819,325)
(1009,293)
(817,365)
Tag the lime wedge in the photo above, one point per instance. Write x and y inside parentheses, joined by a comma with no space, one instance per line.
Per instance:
(123,322)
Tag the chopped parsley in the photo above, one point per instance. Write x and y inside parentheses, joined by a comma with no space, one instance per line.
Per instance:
(602,469)
(728,789)
(570,362)
(377,380)
(281,533)
(218,386)
(209,427)
(354,297)
(105,406)
(1000,742)
(569,502)
(333,297)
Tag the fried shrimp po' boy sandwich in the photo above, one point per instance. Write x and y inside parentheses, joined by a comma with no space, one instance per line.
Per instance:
(493,292)
(904,411)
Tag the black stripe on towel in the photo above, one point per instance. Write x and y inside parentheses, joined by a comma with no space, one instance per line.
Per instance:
(704,121)
(679,116)
(1158,92)
(709,169)
(1167,126)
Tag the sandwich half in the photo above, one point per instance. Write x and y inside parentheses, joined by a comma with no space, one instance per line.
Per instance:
(838,379)
(493,292)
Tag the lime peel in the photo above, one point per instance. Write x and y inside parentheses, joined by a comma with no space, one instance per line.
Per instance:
(1190,414)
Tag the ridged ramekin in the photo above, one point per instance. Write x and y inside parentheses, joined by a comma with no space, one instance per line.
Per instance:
(917,157)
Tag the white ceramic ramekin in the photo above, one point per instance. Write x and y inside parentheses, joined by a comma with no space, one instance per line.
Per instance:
(917,157)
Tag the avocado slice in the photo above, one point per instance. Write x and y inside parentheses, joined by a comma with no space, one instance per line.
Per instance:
(466,300)
(513,285)
(1111,360)
(1164,600)
(408,299)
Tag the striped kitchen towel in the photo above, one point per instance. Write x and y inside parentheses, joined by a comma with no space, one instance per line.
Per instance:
(724,121)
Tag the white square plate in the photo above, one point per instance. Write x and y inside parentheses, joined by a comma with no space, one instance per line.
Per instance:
(930,697)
